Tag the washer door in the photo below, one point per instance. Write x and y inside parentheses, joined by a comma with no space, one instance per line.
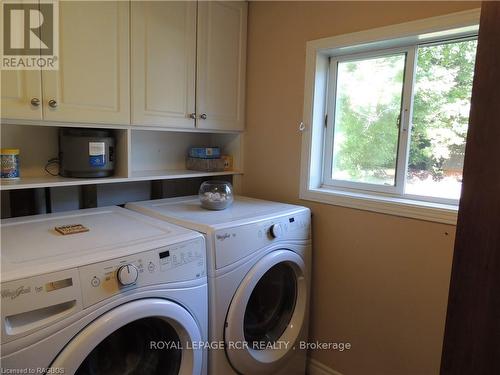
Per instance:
(145,336)
(266,314)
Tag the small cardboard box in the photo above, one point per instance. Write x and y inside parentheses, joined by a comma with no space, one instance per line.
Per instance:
(205,165)
(228,162)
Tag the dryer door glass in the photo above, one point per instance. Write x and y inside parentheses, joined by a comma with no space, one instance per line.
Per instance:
(271,306)
(133,349)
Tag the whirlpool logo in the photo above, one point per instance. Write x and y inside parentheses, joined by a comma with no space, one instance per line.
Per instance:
(13,294)
(222,237)
(30,35)
(225,236)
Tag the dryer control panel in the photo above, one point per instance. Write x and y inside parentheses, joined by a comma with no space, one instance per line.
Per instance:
(180,262)
(232,244)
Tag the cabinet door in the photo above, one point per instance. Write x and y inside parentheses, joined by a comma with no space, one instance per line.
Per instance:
(21,94)
(220,91)
(92,83)
(163,63)
(21,90)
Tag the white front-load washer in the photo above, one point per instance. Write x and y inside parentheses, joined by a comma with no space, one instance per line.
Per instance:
(258,280)
(123,293)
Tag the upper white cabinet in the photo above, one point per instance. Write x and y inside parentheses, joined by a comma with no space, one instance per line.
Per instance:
(92,83)
(221,64)
(177,53)
(163,62)
(21,94)
(170,64)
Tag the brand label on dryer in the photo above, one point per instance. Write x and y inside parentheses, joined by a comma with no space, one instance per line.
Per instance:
(225,236)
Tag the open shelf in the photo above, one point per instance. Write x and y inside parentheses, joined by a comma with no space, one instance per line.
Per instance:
(57,181)
(156,151)
(38,144)
(141,155)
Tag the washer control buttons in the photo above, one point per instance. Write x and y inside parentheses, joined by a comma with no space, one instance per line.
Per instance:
(151,267)
(95,282)
(127,274)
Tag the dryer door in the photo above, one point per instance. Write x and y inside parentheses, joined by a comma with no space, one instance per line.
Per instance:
(266,314)
(147,336)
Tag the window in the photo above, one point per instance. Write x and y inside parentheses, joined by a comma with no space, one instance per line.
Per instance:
(384,103)
(395,116)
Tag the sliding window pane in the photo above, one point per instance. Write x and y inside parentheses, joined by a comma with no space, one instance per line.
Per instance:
(367,110)
(441,106)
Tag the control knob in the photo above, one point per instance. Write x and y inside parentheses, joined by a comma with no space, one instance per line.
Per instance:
(276,230)
(127,274)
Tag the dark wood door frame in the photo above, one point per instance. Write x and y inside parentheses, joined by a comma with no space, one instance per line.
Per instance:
(472,334)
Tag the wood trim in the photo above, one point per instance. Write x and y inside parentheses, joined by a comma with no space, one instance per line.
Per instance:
(472,334)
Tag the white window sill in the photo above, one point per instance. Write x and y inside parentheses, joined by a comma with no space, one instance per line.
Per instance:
(436,212)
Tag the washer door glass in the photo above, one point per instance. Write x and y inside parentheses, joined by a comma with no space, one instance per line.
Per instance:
(129,350)
(270,306)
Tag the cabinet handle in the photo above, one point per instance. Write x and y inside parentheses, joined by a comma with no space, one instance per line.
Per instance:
(203,116)
(193,116)
(35,102)
(52,103)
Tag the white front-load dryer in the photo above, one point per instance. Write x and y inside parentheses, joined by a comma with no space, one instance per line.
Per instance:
(121,293)
(259,260)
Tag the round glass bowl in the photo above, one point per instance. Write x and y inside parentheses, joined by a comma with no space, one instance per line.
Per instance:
(216,195)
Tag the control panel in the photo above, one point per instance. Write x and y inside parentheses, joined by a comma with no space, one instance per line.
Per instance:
(179,262)
(31,303)
(232,244)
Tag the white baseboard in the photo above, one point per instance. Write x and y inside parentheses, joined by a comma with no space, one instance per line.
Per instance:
(317,368)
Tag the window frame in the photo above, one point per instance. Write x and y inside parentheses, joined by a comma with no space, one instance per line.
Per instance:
(317,134)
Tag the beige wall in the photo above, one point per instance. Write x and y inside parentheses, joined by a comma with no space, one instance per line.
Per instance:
(379,281)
